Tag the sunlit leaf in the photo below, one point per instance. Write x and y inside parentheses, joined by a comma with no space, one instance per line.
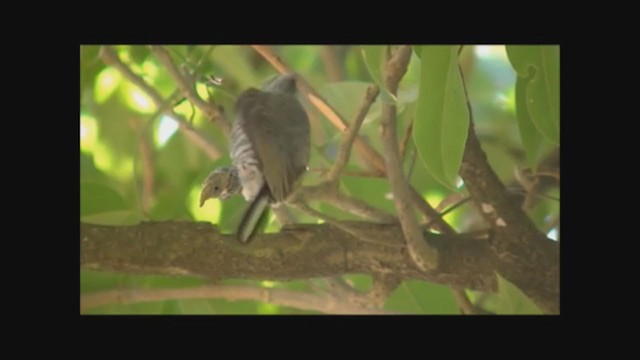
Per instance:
(106,83)
(88,132)
(138,100)
(442,117)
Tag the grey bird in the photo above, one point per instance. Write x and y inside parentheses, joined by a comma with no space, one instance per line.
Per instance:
(270,149)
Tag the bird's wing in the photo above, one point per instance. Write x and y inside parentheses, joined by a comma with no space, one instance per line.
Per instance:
(278,130)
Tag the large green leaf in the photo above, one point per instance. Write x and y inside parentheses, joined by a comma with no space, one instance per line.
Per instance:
(541,64)
(512,300)
(374,58)
(530,136)
(419,297)
(442,116)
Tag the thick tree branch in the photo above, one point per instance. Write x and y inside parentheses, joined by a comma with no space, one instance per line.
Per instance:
(297,252)
(518,242)
(424,255)
(188,90)
(370,154)
(109,57)
(323,303)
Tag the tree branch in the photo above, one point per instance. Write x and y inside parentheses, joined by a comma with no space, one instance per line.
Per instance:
(424,255)
(370,154)
(147,156)
(523,248)
(323,303)
(297,252)
(109,57)
(331,63)
(188,90)
(405,140)
(463,302)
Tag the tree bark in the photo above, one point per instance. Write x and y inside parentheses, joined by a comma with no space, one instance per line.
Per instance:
(301,252)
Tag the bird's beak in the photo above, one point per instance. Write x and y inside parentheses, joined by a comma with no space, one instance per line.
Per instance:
(205,194)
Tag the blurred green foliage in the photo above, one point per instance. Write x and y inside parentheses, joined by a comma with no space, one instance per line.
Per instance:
(118,121)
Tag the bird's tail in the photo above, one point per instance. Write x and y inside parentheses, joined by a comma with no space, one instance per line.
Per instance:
(255,216)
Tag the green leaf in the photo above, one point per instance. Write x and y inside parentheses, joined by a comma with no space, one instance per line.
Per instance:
(420,297)
(105,84)
(541,65)
(98,198)
(513,301)
(529,134)
(374,58)
(442,116)
(418,51)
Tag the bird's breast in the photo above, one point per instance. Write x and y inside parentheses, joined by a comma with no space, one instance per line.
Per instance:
(245,160)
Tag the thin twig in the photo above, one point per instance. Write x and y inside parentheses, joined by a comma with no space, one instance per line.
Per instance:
(147,155)
(350,134)
(302,206)
(331,63)
(463,301)
(328,192)
(370,154)
(210,110)
(424,255)
(430,214)
(296,299)
(405,139)
(445,212)
(361,208)
(109,57)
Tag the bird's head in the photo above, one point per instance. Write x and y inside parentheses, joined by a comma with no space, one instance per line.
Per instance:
(221,183)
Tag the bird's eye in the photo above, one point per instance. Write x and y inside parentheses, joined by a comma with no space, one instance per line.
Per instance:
(215,188)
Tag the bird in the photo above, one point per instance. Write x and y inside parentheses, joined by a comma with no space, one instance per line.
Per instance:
(269,149)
